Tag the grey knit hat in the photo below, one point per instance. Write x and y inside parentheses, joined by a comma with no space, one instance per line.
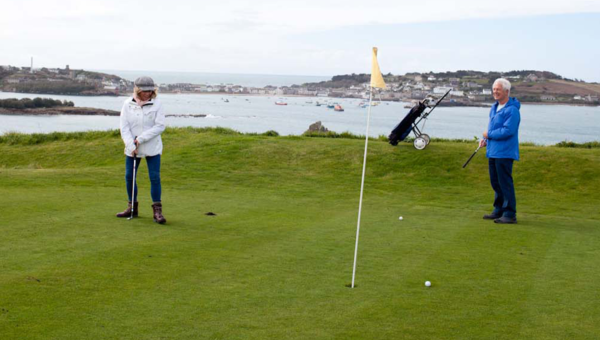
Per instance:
(145,84)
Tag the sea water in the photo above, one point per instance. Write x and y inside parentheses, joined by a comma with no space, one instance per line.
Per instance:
(540,124)
(206,78)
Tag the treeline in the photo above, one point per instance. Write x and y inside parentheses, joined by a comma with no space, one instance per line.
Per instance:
(344,81)
(28,103)
(63,87)
(354,79)
(490,75)
(541,74)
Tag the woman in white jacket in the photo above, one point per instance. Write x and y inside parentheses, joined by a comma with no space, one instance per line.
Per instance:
(142,122)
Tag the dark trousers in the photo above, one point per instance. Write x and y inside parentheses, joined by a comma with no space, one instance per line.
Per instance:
(153,172)
(505,202)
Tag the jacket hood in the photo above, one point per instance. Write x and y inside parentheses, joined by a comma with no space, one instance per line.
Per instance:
(512,101)
(131,101)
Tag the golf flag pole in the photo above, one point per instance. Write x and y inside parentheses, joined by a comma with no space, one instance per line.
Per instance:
(376,81)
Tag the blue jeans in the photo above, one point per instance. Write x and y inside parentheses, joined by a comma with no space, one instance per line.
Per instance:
(153,171)
(505,202)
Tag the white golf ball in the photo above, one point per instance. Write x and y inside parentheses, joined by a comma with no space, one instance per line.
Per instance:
(400,218)
(427,284)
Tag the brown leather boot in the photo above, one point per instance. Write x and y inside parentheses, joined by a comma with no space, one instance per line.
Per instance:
(127,212)
(158,216)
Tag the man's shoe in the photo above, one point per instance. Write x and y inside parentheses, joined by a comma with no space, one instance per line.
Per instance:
(491,216)
(506,220)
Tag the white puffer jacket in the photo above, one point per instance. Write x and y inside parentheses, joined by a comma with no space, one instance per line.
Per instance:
(147,123)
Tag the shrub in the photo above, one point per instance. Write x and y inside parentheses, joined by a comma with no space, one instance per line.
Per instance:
(588,145)
(271,133)
(15,138)
(13,103)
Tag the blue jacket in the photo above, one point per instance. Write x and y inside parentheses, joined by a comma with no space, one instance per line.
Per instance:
(503,131)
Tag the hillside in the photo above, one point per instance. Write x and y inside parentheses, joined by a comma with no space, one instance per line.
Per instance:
(469,87)
(558,88)
(274,261)
(61,81)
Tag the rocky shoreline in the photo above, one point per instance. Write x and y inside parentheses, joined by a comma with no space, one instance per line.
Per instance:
(60,110)
(462,104)
(77,111)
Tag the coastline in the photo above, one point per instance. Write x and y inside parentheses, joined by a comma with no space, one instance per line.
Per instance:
(489,104)
(60,110)
(556,104)
(226,94)
(77,111)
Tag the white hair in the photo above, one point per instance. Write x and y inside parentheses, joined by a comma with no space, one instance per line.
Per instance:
(505,83)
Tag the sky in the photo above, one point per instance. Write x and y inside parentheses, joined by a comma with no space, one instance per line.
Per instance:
(324,37)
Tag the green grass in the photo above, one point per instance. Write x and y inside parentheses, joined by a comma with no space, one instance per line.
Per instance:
(274,262)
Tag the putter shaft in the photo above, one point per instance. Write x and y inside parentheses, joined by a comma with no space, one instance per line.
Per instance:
(473,155)
(133,188)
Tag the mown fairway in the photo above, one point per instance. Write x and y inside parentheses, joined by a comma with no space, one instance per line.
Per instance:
(275,261)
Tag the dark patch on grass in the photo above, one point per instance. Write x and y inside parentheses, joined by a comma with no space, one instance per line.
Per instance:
(31,278)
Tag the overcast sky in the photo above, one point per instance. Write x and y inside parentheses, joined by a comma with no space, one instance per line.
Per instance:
(324,37)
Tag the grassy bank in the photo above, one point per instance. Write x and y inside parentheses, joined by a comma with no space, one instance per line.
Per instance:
(273,263)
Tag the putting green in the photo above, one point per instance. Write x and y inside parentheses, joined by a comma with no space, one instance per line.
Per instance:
(274,261)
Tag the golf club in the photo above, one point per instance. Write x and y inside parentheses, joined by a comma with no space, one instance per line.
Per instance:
(133,185)
(468,160)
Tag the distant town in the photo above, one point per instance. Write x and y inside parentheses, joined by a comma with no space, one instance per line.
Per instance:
(466,87)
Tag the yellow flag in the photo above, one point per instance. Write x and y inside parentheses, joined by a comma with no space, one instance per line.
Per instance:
(376,78)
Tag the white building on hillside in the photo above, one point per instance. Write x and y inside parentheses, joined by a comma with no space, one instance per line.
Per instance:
(441,89)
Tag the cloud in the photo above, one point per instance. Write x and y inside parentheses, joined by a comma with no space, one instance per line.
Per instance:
(266,36)
(304,16)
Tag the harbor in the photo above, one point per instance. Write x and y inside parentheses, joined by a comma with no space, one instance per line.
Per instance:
(541,124)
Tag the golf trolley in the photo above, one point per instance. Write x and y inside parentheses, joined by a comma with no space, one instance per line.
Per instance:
(412,120)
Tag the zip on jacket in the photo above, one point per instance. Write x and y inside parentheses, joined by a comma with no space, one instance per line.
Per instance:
(503,130)
(147,122)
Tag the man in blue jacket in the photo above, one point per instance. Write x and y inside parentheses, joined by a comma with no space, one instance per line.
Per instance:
(502,141)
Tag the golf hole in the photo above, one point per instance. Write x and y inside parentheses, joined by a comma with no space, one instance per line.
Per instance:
(349,285)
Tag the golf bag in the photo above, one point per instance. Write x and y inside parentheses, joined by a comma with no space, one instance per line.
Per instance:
(412,119)
(405,127)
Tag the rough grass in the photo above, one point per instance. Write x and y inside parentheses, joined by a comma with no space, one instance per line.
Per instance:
(275,260)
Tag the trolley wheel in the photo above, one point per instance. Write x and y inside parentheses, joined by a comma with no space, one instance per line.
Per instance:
(420,143)
(425,137)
